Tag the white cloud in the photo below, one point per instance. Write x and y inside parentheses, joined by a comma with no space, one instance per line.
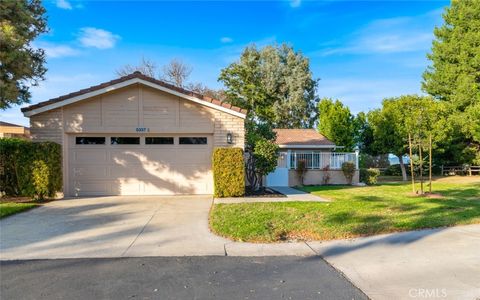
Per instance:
(295,3)
(394,35)
(226,40)
(97,38)
(57,51)
(64,4)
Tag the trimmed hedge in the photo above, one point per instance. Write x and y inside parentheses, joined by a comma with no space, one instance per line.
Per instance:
(369,176)
(30,169)
(228,172)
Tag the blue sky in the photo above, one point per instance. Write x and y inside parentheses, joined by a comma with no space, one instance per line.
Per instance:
(362,51)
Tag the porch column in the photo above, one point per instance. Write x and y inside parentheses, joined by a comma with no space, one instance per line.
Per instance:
(289,154)
(357,151)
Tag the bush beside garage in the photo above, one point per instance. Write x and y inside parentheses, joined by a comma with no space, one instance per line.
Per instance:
(30,169)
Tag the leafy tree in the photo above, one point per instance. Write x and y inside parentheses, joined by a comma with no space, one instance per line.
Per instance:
(454,77)
(363,134)
(21,65)
(257,161)
(388,134)
(391,125)
(266,155)
(275,84)
(336,123)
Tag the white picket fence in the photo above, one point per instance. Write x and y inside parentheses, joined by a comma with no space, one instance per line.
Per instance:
(317,160)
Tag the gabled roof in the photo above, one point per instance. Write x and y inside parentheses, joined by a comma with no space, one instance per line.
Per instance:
(134,78)
(302,138)
(6,124)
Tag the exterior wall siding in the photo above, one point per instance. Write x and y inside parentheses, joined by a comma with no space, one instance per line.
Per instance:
(124,110)
(47,126)
(226,123)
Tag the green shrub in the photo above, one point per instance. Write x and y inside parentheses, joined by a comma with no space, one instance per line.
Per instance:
(348,169)
(17,159)
(395,170)
(228,172)
(40,175)
(326,175)
(369,176)
(301,169)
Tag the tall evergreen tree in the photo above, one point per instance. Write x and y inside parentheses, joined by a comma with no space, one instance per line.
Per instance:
(21,65)
(275,84)
(454,77)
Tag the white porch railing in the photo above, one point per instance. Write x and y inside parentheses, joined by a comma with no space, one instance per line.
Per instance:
(318,160)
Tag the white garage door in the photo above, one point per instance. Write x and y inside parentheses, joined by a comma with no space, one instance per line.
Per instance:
(139,165)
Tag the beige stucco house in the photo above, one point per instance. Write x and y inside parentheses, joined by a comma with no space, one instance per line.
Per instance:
(13,131)
(322,159)
(137,136)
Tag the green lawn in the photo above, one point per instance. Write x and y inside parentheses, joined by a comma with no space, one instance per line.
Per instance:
(10,208)
(354,211)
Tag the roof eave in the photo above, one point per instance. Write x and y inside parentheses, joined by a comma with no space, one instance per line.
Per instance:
(283,146)
(135,80)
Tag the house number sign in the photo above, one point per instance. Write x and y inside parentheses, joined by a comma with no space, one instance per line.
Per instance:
(142,129)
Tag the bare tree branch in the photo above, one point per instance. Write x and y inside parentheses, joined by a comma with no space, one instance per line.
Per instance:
(146,67)
(176,72)
(204,90)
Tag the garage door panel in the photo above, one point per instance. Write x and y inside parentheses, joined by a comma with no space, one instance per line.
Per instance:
(127,186)
(140,169)
(85,156)
(119,171)
(159,187)
(91,188)
(90,172)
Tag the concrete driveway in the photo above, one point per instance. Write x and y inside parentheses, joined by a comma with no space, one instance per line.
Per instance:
(111,227)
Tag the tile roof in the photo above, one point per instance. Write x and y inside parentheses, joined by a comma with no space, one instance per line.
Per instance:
(9,124)
(132,76)
(304,137)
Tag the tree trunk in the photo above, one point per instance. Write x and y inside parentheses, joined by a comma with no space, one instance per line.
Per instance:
(402,167)
(412,173)
(250,170)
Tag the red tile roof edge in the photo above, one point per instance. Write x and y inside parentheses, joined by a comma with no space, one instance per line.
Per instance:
(297,139)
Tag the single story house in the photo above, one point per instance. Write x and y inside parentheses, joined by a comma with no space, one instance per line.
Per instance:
(137,136)
(14,131)
(322,160)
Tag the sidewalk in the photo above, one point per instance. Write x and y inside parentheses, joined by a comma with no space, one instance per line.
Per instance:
(290,193)
(443,263)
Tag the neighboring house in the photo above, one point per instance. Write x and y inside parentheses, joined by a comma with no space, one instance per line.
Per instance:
(317,152)
(14,131)
(137,136)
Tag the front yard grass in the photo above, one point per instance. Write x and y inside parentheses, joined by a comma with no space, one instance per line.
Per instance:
(10,208)
(353,212)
